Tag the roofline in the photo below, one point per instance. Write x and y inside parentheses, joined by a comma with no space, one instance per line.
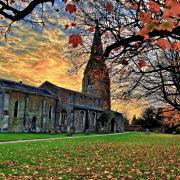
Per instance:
(29,92)
(20,90)
(70,90)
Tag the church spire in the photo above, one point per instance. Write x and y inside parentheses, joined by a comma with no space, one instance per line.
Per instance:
(97,47)
(96,81)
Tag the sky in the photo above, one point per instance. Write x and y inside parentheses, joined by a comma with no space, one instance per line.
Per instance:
(34,56)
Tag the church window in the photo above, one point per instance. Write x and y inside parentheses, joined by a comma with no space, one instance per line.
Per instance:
(93,120)
(71,98)
(80,100)
(99,103)
(63,117)
(81,118)
(50,112)
(90,102)
(16,106)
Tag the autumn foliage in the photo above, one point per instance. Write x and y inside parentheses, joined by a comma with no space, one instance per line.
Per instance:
(71,8)
(171,117)
(75,40)
(152,16)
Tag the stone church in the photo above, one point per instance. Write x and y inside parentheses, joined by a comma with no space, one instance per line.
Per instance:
(50,108)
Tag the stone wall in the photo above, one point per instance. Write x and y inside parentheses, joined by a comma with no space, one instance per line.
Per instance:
(33,112)
(4,102)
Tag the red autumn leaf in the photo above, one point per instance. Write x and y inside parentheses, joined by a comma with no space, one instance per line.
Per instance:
(124,62)
(169,3)
(176,46)
(175,8)
(71,8)
(109,7)
(164,44)
(91,29)
(144,32)
(141,63)
(171,117)
(73,24)
(66,26)
(134,5)
(166,13)
(145,16)
(153,6)
(75,40)
(12,1)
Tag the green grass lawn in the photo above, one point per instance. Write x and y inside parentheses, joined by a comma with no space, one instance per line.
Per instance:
(131,155)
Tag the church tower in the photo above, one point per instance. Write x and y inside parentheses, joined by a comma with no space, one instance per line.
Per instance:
(96,81)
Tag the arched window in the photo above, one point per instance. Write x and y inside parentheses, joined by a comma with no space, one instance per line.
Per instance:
(16,105)
(33,124)
(88,80)
(81,118)
(50,112)
(63,117)
(93,120)
(80,100)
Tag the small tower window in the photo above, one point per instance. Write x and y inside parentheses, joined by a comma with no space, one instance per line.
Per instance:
(16,105)
(88,80)
(93,119)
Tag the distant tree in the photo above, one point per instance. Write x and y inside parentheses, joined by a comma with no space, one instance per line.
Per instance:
(126,121)
(151,118)
(136,121)
(133,120)
(159,116)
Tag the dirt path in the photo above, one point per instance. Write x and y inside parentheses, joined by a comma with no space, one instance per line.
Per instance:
(62,138)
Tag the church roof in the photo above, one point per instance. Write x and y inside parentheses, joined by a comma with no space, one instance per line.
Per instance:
(85,107)
(65,89)
(19,86)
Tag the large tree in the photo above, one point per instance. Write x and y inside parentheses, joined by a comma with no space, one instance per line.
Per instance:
(131,30)
(129,23)
(131,26)
(141,44)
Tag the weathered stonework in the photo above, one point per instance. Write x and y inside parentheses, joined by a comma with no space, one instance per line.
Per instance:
(25,110)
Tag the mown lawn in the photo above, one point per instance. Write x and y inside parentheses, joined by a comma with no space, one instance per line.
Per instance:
(131,156)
